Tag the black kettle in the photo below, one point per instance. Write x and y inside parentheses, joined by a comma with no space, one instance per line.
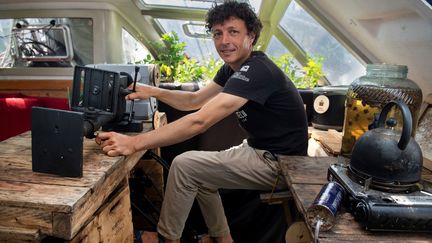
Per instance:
(386,155)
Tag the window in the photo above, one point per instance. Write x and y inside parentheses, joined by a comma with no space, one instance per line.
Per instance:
(5,42)
(203,4)
(42,43)
(46,42)
(275,48)
(133,50)
(340,67)
(198,48)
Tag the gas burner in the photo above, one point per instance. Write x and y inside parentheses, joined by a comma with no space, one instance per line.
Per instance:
(383,206)
(385,186)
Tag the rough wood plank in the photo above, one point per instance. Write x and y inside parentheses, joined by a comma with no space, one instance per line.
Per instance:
(67,225)
(331,140)
(47,197)
(115,219)
(276,197)
(19,169)
(39,88)
(17,235)
(25,218)
(35,84)
(89,234)
(309,170)
(427,164)
(51,206)
(112,222)
(16,145)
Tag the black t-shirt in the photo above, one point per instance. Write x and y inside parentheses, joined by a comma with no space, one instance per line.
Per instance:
(274,116)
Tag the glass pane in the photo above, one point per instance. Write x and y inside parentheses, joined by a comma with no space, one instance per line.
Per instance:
(204,4)
(81,36)
(198,48)
(275,48)
(5,42)
(133,50)
(340,67)
(284,59)
(43,43)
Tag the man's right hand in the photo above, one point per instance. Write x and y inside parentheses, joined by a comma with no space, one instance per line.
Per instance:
(142,91)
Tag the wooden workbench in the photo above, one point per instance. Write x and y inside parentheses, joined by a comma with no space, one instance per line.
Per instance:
(34,205)
(306,175)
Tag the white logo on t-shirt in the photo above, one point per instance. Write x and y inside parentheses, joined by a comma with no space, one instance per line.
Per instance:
(241,115)
(240,76)
(244,68)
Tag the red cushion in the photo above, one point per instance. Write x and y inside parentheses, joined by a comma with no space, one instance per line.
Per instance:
(16,112)
(15,115)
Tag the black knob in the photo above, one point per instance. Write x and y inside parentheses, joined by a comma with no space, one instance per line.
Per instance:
(391,122)
(360,212)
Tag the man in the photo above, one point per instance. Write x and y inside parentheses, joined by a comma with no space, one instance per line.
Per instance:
(267,105)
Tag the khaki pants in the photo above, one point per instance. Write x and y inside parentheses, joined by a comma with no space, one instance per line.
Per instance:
(199,174)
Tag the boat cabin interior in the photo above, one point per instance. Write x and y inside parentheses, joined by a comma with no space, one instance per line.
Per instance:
(332,50)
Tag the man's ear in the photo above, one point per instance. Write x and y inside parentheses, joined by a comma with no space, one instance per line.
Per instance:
(252,37)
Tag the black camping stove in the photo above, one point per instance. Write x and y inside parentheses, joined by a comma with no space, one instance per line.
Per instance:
(383,206)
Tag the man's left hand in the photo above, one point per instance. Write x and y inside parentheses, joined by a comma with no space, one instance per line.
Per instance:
(115,144)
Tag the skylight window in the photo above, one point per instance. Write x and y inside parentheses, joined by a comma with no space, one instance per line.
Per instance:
(198,48)
(203,4)
(183,3)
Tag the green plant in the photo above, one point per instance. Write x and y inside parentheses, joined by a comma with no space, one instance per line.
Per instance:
(170,53)
(305,77)
(175,66)
(189,70)
(212,66)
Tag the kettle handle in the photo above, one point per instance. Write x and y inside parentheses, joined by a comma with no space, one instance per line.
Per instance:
(407,121)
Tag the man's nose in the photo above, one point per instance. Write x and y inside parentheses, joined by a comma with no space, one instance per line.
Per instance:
(225,38)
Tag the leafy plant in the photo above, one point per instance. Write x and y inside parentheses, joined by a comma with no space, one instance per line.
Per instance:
(211,65)
(189,70)
(170,54)
(176,66)
(303,77)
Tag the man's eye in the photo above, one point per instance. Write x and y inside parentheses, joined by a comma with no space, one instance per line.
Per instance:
(233,32)
(216,35)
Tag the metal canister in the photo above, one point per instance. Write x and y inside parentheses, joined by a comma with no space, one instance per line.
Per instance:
(323,210)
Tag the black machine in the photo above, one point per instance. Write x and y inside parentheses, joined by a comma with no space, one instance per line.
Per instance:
(100,95)
(98,101)
(382,182)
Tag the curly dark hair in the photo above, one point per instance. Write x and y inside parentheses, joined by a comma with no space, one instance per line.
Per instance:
(219,13)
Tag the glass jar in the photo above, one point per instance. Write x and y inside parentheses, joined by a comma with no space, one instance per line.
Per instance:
(367,96)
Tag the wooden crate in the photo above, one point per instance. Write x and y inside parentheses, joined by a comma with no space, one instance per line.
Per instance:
(112,222)
(19,235)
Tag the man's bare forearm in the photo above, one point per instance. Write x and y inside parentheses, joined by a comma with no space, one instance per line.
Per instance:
(186,100)
(178,99)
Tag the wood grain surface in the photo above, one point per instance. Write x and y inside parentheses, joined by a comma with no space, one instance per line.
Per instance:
(53,205)
(307,175)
